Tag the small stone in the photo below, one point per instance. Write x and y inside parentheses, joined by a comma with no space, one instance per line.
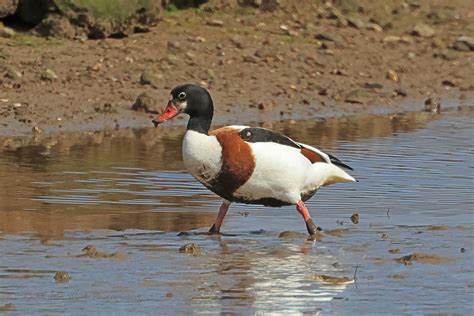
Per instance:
(287,234)
(355,22)
(464,44)
(384,236)
(265,106)
(97,67)
(148,77)
(433,104)
(423,30)
(392,75)
(360,96)
(397,39)
(190,248)
(394,251)
(173,46)
(355,218)
(48,74)
(145,103)
(237,41)
(266,52)
(6,32)
(446,55)
(62,277)
(14,74)
(374,27)
(251,59)
(462,250)
(214,22)
(373,85)
(450,83)
(327,37)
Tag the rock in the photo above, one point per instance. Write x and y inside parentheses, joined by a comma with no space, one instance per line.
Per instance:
(374,27)
(328,37)
(397,39)
(291,234)
(174,46)
(463,44)
(251,59)
(423,30)
(356,22)
(237,41)
(145,103)
(8,7)
(265,106)
(446,55)
(6,32)
(384,236)
(450,83)
(218,23)
(57,26)
(190,248)
(62,277)
(48,74)
(373,85)
(266,52)
(148,77)
(433,104)
(355,218)
(14,74)
(392,75)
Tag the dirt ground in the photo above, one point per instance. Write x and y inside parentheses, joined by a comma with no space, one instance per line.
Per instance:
(302,60)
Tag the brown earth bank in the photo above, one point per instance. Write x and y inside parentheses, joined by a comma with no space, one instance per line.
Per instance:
(302,60)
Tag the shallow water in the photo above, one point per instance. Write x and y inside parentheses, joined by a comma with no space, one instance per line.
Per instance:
(127,191)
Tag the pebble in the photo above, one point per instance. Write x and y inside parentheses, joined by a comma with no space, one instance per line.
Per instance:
(148,77)
(6,32)
(392,75)
(191,248)
(14,74)
(251,59)
(145,103)
(355,218)
(218,23)
(62,277)
(423,30)
(464,44)
(48,74)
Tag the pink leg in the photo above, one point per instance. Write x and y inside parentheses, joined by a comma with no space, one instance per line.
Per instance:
(220,217)
(310,226)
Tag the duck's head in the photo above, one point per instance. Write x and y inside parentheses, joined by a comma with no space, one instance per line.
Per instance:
(190,99)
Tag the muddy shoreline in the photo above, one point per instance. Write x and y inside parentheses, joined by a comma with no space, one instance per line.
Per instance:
(300,61)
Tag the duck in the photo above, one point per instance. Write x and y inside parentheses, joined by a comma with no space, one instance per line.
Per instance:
(250,165)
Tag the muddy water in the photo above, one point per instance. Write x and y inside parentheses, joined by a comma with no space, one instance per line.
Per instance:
(126,193)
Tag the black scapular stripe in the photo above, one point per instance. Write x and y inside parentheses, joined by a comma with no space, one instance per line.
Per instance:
(257,135)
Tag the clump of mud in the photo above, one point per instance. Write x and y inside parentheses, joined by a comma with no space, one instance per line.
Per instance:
(424,258)
(62,277)
(327,279)
(287,234)
(91,251)
(191,248)
(355,218)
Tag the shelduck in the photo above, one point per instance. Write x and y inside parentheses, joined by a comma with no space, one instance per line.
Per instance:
(249,165)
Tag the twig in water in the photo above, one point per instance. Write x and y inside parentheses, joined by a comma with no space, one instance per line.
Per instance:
(355,274)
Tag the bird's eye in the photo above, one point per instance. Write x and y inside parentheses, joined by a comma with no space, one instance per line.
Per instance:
(182,95)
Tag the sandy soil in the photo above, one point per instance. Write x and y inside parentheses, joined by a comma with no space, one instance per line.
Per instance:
(299,61)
